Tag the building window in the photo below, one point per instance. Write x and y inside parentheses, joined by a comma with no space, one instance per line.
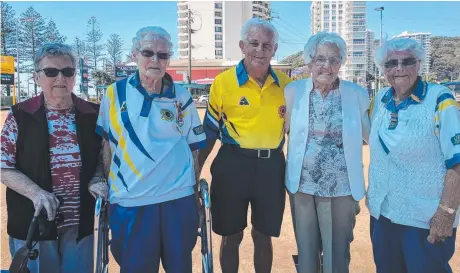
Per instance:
(218,52)
(218,21)
(218,29)
(326,6)
(218,5)
(218,37)
(218,44)
(218,13)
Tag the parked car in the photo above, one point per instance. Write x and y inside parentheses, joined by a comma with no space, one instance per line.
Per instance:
(203,99)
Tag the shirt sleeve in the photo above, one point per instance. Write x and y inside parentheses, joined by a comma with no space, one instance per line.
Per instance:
(196,137)
(8,139)
(103,125)
(213,115)
(447,122)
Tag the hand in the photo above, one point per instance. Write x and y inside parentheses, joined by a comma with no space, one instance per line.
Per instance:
(99,189)
(441,226)
(47,200)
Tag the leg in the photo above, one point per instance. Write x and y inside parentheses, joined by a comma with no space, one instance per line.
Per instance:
(421,256)
(229,252)
(306,232)
(230,192)
(386,245)
(324,214)
(267,206)
(33,266)
(135,237)
(75,257)
(343,222)
(263,251)
(179,229)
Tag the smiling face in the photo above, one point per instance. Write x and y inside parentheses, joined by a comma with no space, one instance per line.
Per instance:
(325,65)
(401,70)
(58,87)
(258,49)
(153,67)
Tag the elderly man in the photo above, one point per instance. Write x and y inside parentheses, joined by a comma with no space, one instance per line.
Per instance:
(50,155)
(246,112)
(153,132)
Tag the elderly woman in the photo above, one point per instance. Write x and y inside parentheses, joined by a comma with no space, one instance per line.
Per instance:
(326,118)
(49,157)
(153,134)
(414,186)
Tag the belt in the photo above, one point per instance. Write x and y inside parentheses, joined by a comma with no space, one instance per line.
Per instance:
(255,153)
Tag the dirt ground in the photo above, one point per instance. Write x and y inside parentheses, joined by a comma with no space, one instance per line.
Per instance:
(284,246)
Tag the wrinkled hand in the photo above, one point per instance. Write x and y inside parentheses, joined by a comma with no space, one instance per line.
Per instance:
(47,200)
(99,189)
(441,226)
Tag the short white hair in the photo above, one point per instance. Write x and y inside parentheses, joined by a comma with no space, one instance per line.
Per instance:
(152,33)
(324,38)
(398,45)
(257,23)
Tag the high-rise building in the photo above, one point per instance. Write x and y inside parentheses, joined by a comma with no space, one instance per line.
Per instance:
(219,25)
(370,52)
(425,40)
(348,19)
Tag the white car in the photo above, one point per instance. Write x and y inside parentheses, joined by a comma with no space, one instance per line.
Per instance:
(203,99)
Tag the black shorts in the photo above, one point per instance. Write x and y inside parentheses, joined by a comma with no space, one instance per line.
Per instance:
(239,180)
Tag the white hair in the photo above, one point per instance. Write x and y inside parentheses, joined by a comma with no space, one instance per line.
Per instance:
(398,45)
(323,38)
(54,49)
(152,33)
(257,23)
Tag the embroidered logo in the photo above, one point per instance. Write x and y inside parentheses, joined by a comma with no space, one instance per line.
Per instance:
(198,130)
(282,111)
(393,121)
(456,139)
(244,101)
(123,107)
(167,114)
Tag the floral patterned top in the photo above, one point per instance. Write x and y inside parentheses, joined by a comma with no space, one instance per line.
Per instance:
(324,170)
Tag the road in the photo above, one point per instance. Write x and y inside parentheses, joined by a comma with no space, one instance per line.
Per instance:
(284,246)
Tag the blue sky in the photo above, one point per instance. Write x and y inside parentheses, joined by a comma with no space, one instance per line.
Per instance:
(125,18)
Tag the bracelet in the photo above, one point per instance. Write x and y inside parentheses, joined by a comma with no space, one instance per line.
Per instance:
(446,209)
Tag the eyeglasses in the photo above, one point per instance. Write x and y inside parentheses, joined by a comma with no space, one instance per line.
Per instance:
(150,54)
(265,46)
(406,62)
(320,61)
(52,72)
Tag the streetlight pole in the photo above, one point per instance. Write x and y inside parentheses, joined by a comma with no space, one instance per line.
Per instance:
(381,9)
(189,31)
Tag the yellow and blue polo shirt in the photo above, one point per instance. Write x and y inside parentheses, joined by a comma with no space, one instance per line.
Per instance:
(151,137)
(242,113)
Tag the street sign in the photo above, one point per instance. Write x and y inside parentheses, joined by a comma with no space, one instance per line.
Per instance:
(123,71)
(7,69)
(84,75)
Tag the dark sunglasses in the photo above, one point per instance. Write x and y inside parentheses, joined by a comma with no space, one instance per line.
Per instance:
(404,62)
(54,72)
(160,55)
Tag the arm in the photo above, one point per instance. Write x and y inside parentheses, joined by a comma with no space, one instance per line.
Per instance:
(364,103)
(447,120)
(98,184)
(205,152)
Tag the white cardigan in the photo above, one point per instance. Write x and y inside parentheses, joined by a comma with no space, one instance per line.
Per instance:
(356,127)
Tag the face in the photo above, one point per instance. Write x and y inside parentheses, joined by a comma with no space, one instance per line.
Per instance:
(152,58)
(56,85)
(401,70)
(258,49)
(325,65)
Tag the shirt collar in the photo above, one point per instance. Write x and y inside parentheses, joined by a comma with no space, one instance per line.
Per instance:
(32,105)
(242,76)
(170,92)
(417,96)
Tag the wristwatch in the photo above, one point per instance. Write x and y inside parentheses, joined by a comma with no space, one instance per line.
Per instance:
(447,209)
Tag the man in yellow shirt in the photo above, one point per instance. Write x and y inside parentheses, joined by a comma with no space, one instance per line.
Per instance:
(246,112)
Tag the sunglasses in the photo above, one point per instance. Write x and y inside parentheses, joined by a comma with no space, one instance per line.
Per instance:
(54,72)
(404,63)
(150,54)
(320,60)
